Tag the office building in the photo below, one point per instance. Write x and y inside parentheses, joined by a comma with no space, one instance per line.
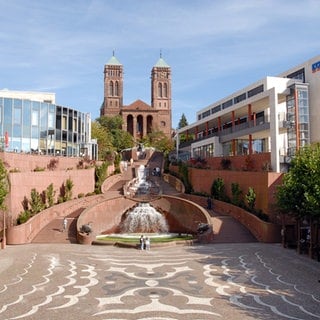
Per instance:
(275,115)
(31,122)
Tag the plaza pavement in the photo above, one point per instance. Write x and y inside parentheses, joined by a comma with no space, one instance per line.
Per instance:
(215,281)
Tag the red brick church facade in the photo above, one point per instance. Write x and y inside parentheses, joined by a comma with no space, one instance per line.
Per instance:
(139,118)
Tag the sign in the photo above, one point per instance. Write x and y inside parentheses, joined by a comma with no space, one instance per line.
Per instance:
(316,67)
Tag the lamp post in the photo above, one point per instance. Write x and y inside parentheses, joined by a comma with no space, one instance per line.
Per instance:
(4,240)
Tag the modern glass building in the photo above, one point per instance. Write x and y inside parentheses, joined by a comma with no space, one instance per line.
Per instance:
(31,122)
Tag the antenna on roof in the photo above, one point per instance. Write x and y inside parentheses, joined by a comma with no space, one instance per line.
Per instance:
(113,52)
(160,53)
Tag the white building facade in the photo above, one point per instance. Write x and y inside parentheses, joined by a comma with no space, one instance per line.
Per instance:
(276,115)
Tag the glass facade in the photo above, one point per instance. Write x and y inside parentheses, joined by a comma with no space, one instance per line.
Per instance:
(43,128)
(298,118)
(205,151)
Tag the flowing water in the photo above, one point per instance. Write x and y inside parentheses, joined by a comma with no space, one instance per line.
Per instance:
(144,219)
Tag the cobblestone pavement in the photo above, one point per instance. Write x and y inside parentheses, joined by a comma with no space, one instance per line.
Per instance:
(219,281)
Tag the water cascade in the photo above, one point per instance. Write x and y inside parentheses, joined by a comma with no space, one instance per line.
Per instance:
(144,219)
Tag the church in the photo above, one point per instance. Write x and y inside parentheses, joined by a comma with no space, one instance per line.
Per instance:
(139,118)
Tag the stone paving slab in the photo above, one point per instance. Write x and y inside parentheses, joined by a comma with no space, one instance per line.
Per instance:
(219,281)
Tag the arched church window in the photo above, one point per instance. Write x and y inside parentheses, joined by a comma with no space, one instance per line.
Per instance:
(117,89)
(163,123)
(160,90)
(111,89)
(165,90)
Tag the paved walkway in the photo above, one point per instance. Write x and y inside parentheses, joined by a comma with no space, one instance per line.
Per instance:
(218,281)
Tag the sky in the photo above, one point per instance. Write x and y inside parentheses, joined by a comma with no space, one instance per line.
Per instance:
(214,47)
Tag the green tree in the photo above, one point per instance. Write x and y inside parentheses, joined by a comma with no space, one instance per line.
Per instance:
(50,193)
(251,198)
(122,140)
(111,123)
(184,176)
(4,185)
(183,122)
(159,141)
(4,190)
(101,175)
(36,202)
(218,189)
(68,189)
(299,194)
(113,127)
(236,194)
(104,139)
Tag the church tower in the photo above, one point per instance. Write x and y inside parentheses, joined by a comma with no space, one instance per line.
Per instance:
(113,88)
(161,94)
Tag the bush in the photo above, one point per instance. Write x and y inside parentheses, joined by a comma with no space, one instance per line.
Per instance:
(218,189)
(251,198)
(38,169)
(23,217)
(236,194)
(53,164)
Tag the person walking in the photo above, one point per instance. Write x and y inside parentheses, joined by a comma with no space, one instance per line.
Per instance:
(147,241)
(142,242)
(64,224)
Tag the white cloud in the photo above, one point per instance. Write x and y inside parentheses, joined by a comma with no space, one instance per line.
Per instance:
(64,44)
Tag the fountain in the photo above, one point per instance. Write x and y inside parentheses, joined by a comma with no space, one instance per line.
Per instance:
(141,185)
(144,218)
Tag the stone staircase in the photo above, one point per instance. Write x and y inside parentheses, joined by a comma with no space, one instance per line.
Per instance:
(226,229)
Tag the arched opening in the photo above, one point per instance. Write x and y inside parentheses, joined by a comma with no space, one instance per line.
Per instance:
(149,124)
(130,124)
(165,90)
(111,89)
(139,129)
(117,89)
(160,90)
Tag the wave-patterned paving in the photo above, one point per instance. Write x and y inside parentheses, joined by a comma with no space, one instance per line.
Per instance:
(227,281)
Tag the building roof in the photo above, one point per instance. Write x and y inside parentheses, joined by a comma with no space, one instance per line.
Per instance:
(137,105)
(161,63)
(113,61)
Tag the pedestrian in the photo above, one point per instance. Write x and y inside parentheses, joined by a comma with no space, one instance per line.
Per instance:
(64,224)
(147,241)
(142,242)
(209,203)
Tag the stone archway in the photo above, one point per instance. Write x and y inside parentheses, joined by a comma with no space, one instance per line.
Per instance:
(149,124)
(130,124)
(140,126)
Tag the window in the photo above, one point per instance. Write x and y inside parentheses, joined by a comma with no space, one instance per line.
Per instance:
(117,88)
(35,118)
(111,92)
(17,116)
(255,91)
(160,90)
(51,120)
(74,126)
(227,104)
(299,75)
(215,109)
(165,90)
(64,122)
(240,98)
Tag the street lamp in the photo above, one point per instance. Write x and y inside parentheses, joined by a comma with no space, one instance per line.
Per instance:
(4,240)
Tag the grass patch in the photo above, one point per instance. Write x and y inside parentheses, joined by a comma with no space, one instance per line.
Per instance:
(154,239)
